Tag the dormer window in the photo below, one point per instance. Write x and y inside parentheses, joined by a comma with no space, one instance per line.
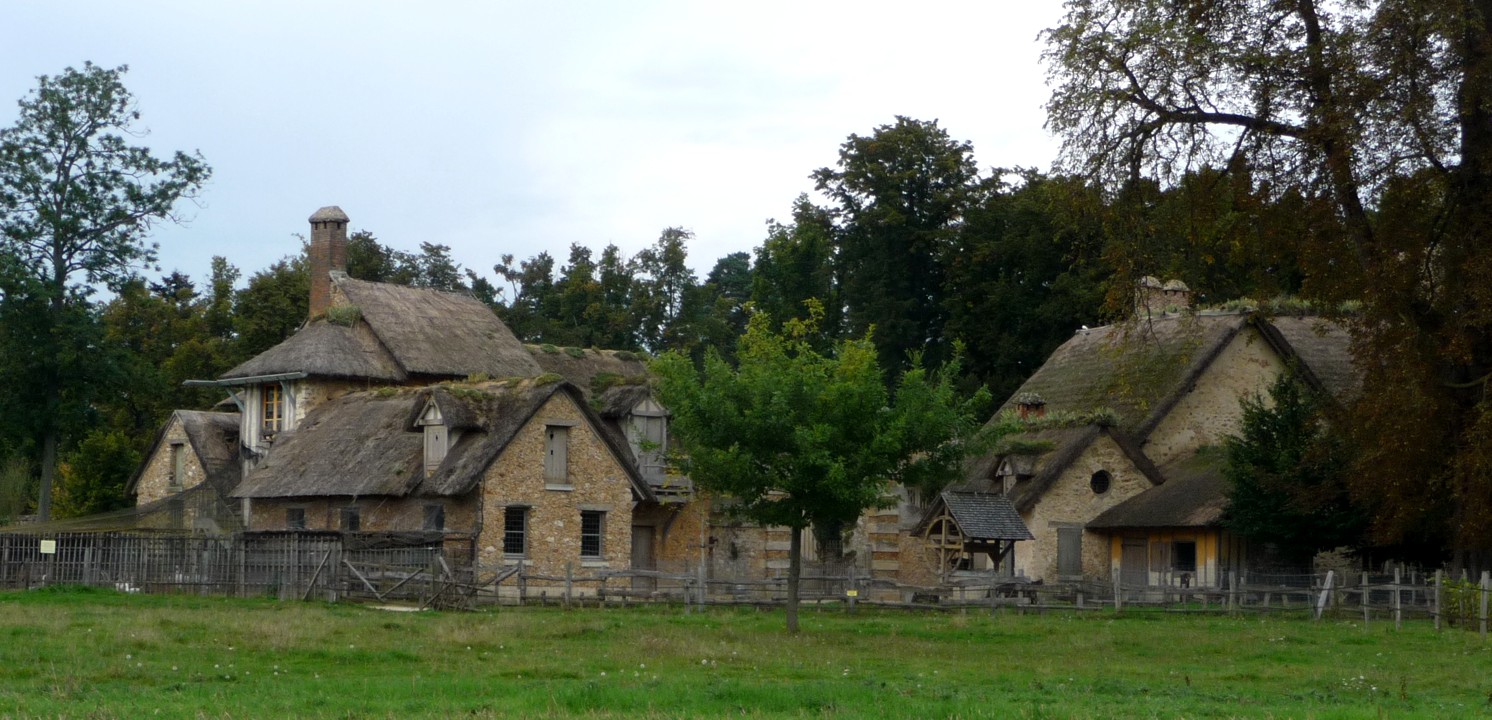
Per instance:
(438,438)
(649,436)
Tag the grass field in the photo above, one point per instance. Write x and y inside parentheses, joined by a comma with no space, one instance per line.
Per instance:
(87,653)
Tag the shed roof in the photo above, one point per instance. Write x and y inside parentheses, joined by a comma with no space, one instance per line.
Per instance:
(1194,494)
(983,516)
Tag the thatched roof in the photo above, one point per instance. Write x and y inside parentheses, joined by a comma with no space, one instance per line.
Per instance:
(351,446)
(438,333)
(981,516)
(583,366)
(1324,351)
(214,439)
(1140,369)
(398,332)
(1194,494)
(326,349)
(366,443)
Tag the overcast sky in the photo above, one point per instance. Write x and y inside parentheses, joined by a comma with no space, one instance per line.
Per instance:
(498,127)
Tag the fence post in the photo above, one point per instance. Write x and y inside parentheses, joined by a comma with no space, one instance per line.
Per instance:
(1398,600)
(852,591)
(1366,597)
(1486,587)
(522,583)
(704,586)
(569,582)
(1325,593)
(1118,594)
(1435,607)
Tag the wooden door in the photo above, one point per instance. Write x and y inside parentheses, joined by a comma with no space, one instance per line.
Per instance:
(642,556)
(1134,563)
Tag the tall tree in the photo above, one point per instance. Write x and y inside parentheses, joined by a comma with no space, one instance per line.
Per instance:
(661,279)
(1025,273)
(805,439)
(795,264)
(900,195)
(1379,115)
(76,203)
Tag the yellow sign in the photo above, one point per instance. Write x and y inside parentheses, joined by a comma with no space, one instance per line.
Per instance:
(49,547)
(852,593)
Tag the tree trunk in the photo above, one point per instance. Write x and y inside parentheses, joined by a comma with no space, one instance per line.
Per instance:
(794,571)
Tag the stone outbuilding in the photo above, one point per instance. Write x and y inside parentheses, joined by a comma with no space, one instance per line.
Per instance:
(1120,469)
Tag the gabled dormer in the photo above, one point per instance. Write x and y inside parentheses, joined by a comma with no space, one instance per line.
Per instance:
(646,426)
(439,437)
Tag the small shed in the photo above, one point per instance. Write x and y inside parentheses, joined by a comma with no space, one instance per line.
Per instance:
(962,523)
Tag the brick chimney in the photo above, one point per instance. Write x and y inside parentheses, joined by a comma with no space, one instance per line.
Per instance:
(328,253)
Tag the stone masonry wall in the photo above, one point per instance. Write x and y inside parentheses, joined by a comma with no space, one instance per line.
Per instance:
(376,514)
(1212,411)
(1071,501)
(155,480)
(597,482)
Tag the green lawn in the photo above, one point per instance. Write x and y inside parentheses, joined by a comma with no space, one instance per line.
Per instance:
(78,653)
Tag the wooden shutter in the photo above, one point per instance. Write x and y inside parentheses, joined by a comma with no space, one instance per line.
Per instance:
(1069,551)
(556,462)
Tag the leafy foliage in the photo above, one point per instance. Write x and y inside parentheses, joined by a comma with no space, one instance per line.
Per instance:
(1288,475)
(802,438)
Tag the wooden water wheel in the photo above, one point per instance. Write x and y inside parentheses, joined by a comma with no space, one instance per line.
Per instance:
(943,545)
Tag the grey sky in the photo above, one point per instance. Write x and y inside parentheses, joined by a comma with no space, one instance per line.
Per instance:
(511,128)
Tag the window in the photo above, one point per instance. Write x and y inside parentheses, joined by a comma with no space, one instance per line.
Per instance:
(178,466)
(1100,482)
(435,518)
(1184,555)
(592,523)
(515,530)
(295,518)
(352,519)
(556,449)
(272,408)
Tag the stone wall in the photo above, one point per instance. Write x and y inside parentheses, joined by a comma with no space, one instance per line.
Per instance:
(1071,502)
(1211,411)
(376,514)
(597,481)
(155,479)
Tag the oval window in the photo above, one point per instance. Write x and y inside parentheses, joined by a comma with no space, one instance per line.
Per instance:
(1100,482)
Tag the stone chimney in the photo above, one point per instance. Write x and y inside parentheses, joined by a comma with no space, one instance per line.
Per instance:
(328,253)
(1178,295)
(1150,297)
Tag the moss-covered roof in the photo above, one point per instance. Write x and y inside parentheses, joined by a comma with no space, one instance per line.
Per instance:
(1194,494)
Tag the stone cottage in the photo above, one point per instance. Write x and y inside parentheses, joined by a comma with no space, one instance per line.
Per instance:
(416,413)
(1120,471)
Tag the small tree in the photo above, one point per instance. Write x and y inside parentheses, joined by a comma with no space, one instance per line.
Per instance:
(1287,475)
(806,439)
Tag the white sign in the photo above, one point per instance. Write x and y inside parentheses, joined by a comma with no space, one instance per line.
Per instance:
(49,547)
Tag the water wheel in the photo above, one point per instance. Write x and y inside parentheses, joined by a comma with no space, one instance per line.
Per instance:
(943,545)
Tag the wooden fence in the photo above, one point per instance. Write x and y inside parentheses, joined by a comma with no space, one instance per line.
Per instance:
(325,566)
